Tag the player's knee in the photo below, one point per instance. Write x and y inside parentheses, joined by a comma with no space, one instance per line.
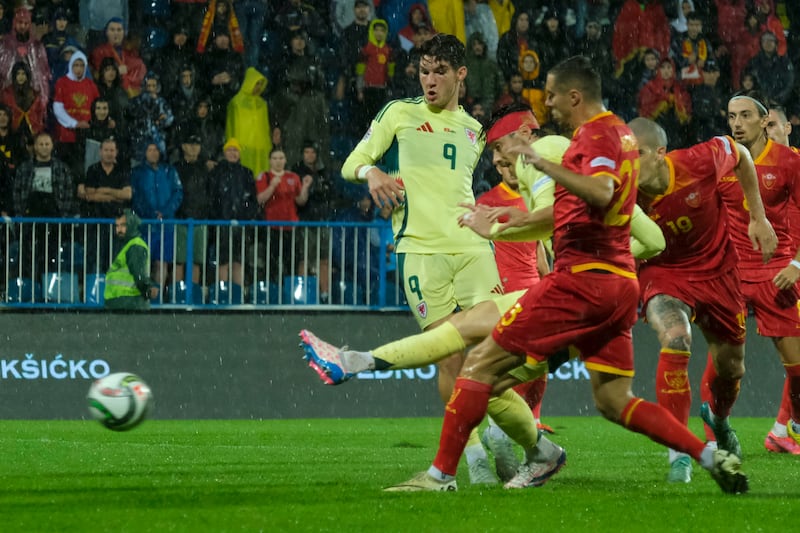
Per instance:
(677,339)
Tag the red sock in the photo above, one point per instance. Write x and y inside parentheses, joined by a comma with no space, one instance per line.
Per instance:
(463,412)
(709,375)
(724,391)
(533,392)
(786,402)
(793,377)
(673,390)
(660,426)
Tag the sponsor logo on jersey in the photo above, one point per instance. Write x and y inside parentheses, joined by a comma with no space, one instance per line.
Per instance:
(693,200)
(769,180)
(448,130)
(471,135)
(422,309)
(426,128)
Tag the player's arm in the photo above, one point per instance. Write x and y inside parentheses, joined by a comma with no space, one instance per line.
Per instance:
(359,167)
(647,239)
(542,264)
(760,230)
(790,274)
(596,190)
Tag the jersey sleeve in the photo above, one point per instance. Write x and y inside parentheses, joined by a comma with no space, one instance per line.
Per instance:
(647,239)
(599,156)
(725,155)
(375,142)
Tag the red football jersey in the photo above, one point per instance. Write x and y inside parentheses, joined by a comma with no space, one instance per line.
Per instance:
(516,261)
(794,216)
(778,169)
(691,213)
(587,237)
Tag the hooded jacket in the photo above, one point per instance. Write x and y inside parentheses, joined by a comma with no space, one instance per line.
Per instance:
(72,100)
(247,121)
(484,78)
(131,265)
(376,66)
(156,190)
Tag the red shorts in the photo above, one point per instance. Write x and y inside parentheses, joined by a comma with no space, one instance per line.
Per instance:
(718,303)
(589,313)
(777,312)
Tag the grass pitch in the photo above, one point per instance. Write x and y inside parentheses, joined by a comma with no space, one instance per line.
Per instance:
(326,475)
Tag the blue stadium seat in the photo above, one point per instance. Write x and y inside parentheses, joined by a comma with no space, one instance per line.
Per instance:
(60,288)
(225,293)
(24,290)
(95,286)
(264,293)
(301,290)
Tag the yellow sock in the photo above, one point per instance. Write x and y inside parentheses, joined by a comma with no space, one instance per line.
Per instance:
(513,415)
(423,349)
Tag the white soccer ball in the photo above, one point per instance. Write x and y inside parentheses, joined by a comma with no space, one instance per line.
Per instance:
(120,401)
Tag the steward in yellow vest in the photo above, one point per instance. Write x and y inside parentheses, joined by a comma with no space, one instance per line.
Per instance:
(128,282)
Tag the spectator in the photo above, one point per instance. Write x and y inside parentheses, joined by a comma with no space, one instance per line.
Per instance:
(691,50)
(234,198)
(533,85)
(220,18)
(128,283)
(28,106)
(375,69)
(345,12)
(769,22)
(297,57)
(512,43)
(248,122)
(417,16)
(354,37)
(13,149)
(503,11)
(212,135)
(149,116)
(356,254)
(183,102)
(105,192)
(130,67)
(406,82)
(552,40)
(43,187)
(747,46)
(157,194)
(709,113)
(397,13)
(72,107)
(21,45)
(297,16)
(664,100)
(189,14)
(478,17)
(222,69)
(301,113)
(515,87)
(103,126)
(57,38)
(484,79)
(197,199)
(94,17)
(109,87)
(251,15)
(280,193)
(775,72)
(447,16)
(173,59)
(639,26)
(635,76)
(593,46)
(326,198)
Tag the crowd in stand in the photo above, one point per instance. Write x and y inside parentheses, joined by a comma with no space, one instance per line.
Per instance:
(244,109)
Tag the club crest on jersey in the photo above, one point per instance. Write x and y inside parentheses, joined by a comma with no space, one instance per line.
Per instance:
(769,180)
(693,200)
(422,309)
(471,135)
(367,135)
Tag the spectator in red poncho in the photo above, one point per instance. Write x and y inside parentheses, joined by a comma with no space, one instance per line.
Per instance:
(417,14)
(131,68)
(640,25)
(28,106)
(664,100)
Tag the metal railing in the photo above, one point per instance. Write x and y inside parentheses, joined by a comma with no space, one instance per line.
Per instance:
(61,263)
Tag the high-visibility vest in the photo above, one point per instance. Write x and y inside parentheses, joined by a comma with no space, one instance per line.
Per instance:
(119,280)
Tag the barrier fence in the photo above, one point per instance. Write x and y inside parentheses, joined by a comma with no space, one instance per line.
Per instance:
(58,263)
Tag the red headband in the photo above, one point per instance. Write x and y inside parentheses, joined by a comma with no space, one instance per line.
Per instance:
(511,123)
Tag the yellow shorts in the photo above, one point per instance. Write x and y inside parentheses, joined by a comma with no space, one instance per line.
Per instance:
(436,285)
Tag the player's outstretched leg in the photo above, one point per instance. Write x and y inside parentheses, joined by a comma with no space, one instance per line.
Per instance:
(541,463)
(333,365)
(423,482)
(723,432)
(502,447)
(727,472)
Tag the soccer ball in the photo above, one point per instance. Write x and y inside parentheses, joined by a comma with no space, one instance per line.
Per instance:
(120,401)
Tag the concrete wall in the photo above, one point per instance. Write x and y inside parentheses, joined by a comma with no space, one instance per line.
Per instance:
(249,366)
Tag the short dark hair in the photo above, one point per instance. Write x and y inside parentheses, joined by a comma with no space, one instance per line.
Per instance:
(445,47)
(761,100)
(578,73)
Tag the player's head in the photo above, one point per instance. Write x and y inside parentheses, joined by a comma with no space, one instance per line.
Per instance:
(748,114)
(778,126)
(652,140)
(509,125)
(572,85)
(442,70)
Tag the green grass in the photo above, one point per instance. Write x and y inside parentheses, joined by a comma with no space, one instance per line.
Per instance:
(326,475)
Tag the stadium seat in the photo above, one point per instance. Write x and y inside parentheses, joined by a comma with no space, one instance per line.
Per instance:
(24,290)
(180,294)
(301,290)
(264,293)
(225,293)
(95,285)
(60,288)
